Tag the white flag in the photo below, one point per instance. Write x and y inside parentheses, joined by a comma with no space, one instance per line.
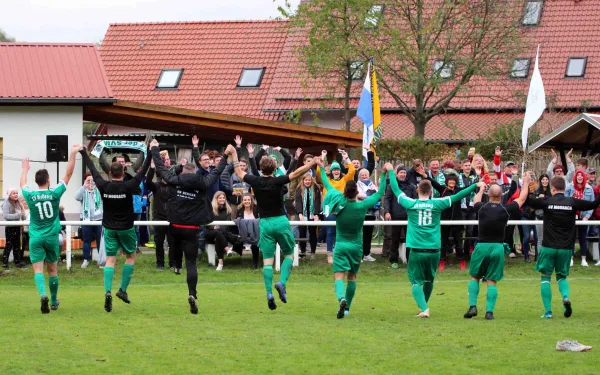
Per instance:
(536,101)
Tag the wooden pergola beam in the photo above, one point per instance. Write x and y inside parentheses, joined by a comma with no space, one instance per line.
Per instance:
(217,126)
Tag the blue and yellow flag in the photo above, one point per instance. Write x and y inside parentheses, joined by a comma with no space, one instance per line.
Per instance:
(369,111)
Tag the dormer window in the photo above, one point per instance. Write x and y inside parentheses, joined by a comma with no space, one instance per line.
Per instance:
(520,68)
(169,78)
(576,67)
(533,12)
(251,77)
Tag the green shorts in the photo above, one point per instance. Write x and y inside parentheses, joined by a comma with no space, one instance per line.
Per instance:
(120,239)
(550,260)
(347,257)
(44,249)
(273,231)
(422,266)
(487,261)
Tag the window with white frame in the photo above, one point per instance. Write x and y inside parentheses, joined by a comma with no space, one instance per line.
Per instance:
(576,66)
(251,77)
(169,78)
(533,12)
(520,68)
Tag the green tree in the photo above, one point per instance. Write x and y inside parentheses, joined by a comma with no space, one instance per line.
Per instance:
(329,51)
(5,38)
(428,52)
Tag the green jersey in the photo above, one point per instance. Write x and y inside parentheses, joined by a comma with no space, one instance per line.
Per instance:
(423,230)
(43,208)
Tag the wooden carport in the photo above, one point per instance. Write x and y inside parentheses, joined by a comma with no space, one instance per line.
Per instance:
(216,126)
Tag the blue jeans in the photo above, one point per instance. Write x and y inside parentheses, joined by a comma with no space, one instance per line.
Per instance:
(330,234)
(90,234)
(582,231)
(527,237)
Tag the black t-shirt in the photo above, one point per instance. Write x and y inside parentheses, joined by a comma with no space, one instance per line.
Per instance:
(117,196)
(268,193)
(493,218)
(559,219)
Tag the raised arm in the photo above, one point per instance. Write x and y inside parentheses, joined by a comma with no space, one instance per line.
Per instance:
(139,176)
(581,205)
(324,178)
(370,161)
(90,165)
(436,185)
(104,163)
(479,196)
(302,170)
(464,192)
(348,164)
(287,158)
(71,164)
(139,161)
(524,191)
(394,186)
(25,165)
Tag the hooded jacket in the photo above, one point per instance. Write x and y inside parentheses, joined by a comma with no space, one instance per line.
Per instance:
(390,203)
(188,203)
(587,193)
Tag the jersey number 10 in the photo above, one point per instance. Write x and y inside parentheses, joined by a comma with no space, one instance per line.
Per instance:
(46,211)
(425,217)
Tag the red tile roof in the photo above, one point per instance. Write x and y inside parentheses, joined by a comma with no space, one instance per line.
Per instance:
(461,126)
(52,72)
(212,55)
(567,28)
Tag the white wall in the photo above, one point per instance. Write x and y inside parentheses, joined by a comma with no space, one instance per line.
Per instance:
(24,131)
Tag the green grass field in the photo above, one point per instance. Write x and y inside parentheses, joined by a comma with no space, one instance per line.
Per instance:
(236,333)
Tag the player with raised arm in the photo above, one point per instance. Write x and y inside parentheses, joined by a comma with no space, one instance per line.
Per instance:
(274,225)
(44,227)
(119,232)
(558,242)
(350,218)
(423,236)
(487,259)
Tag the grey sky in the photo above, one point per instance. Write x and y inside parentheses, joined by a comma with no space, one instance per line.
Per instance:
(87,20)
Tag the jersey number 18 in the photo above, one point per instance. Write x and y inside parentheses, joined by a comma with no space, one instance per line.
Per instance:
(425,217)
(46,211)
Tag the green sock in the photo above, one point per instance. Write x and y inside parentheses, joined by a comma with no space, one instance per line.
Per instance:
(109,273)
(268,276)
(40,283)
(419,296)
(427,289)
(350,291)
(340,291)
(563,287)
(126,276)
(473,292)
(492,296)
(546,293)
(53,281)
(286,270)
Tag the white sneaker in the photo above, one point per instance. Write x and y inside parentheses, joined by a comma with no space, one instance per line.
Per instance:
(220,267)
(572,346)
(369,258)
(423,314)
(598,263)
(229,252)
(512,255)
(584,263)
(571,262)
(85,263)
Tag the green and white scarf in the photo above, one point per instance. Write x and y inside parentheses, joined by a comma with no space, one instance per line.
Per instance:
(308,202)
(86,203)
(334,202)
(132,145)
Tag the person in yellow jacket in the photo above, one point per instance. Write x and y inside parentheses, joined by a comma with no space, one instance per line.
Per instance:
(338,182)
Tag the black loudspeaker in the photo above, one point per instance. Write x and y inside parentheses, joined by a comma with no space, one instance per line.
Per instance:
(57,148)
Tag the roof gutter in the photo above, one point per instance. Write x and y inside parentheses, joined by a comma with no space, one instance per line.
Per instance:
(56,101)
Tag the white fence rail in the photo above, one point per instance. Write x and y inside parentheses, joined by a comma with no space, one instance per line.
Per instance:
(69,227)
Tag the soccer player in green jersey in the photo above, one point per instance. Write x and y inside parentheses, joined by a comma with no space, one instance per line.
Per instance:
(350,218)
(44,227)
(423,236)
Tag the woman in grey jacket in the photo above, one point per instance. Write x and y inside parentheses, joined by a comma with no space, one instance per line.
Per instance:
(91,210)
(13,211)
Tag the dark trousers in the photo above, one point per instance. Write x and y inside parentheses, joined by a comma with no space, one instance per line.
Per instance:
(312,233)
(13,243)
(330,234)
(526,237)
(185,241)
(582,231)
(452,234)
(216,237)
(509,239)
(398,238)
(90,234)
(368,235)
(322,235)
(471,230)
(387,241)
(238,248)
(160,232)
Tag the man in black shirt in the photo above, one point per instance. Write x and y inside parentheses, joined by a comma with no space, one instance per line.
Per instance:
(560,214)
(188,208)
(487,259)
(274,224)
(119,232)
